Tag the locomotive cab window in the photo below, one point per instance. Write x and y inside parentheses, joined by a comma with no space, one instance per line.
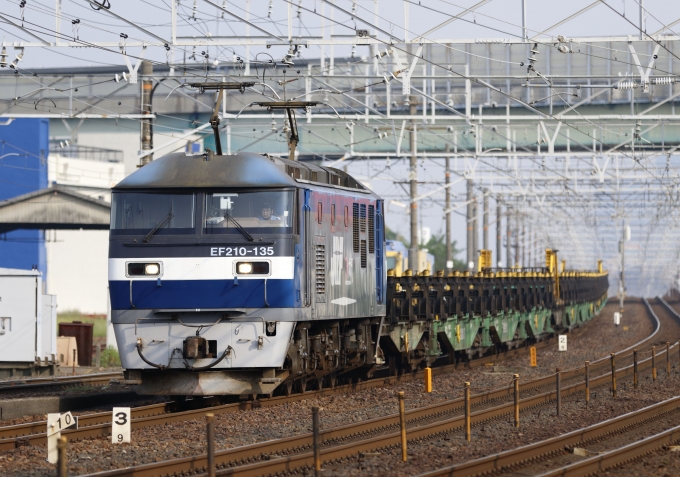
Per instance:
(161,213)
(254,212)
(319,212)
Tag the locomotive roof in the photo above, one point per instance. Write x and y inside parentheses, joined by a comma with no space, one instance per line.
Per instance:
(246,170)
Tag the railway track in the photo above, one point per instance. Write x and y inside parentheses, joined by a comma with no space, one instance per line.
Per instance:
(286,455)
(98,424)
(273,457)
(54,382)
(420,421)
(517,460)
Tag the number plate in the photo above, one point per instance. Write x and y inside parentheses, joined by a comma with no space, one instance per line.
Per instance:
(563,343)
(120,425)
(60,422)
(242,251)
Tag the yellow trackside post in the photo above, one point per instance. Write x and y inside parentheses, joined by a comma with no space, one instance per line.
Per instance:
(428,380)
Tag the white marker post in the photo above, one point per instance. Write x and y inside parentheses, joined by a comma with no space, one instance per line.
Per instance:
(120,425)
(55,424)
(562,342)
(617,318)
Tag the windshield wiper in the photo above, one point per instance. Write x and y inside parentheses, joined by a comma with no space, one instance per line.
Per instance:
(239,228)
(158,226)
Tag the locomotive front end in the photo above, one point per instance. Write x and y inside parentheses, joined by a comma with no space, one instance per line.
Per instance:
(202,274)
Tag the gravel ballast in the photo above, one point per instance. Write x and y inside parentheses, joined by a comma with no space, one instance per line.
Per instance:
(246,427)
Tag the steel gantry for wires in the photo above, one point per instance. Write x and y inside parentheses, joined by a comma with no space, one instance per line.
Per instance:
(570,133)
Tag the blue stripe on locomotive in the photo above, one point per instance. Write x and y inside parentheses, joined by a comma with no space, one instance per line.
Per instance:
(195,294)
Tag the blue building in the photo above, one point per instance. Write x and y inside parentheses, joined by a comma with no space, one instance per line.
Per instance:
(24,148)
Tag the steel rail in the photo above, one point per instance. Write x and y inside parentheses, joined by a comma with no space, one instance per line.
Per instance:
(32,432)
(24,384)
(98,425)
(290,463)
(504,460)
(510,458)
(270,449)
(616,457)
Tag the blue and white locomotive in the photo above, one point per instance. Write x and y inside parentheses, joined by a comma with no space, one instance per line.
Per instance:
(236,274)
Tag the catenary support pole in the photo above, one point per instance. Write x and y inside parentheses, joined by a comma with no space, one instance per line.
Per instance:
(508,243)
(413,189)
(475,232)
(485,222)
(447,207)
(469,221)
(499,233)
(146,85)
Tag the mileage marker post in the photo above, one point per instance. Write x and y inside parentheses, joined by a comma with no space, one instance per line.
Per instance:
(56,423)
(120,425)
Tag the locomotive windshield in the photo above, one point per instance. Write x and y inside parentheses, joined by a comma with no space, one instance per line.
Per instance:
(140,212)
(256,212)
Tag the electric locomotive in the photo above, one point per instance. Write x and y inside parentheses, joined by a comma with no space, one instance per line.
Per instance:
(236,274)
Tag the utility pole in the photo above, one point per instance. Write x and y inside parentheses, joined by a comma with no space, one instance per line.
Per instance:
(413,182)
(499,233)
(447,201)
(145,107)
(469,223)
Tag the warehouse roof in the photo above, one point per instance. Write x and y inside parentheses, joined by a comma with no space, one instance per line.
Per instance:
(54,208)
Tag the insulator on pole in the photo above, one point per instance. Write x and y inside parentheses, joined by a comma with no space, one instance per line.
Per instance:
(627,85)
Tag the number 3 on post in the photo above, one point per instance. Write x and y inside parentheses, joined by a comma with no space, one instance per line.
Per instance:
(120,425)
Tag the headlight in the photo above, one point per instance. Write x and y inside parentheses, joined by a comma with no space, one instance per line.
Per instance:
(245,268)
(152,269)
(143,269)
(252,268)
